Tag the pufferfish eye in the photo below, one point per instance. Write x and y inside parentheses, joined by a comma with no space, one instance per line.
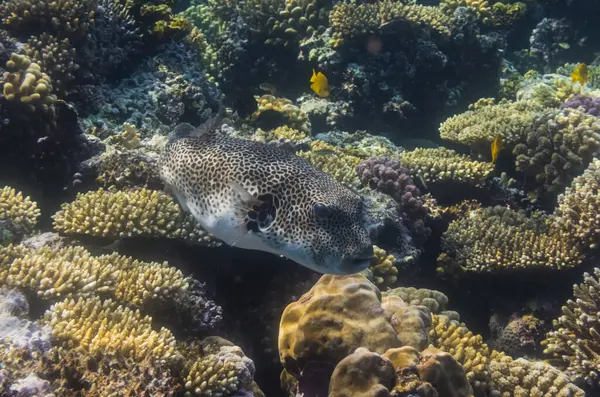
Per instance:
(321,211)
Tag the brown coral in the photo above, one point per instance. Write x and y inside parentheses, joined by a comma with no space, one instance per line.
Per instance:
(25,84)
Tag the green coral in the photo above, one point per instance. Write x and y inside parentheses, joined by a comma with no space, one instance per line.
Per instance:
(334,161)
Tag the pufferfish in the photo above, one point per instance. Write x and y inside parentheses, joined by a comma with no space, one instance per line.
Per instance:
(256,196)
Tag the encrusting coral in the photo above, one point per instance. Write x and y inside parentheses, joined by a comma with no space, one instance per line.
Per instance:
(574,341)
(119,214)
(21,211)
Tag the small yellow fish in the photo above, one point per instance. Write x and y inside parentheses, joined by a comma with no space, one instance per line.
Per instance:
(319,84)
(580,74)
(496,148)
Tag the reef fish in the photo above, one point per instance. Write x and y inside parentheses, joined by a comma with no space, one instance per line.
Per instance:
(496,147)
(319,84)
(580,74)
(256,196)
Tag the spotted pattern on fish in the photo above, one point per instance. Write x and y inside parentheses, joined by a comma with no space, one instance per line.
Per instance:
(203,171)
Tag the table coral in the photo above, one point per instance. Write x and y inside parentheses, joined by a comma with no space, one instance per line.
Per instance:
(498,239)
(21,211)
(574,340)
(105,327)
(478,128)
(577,213)
(119,214)
(445,165)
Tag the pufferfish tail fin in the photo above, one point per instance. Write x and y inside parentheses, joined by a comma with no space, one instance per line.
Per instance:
(186,130)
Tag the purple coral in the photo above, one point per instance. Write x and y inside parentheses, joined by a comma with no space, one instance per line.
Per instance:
(389,177)
(590,105)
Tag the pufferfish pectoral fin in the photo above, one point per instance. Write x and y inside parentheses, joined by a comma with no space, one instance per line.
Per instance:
(243,203)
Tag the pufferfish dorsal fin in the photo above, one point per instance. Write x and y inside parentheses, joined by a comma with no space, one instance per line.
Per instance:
(186,130)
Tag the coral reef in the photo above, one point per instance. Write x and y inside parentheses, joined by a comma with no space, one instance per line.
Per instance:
(445,165)
(24,83)
(497,239)
(119,214)
(383,268)
(334,161)
(574,340)
(21,211)
(589,104)
(435,301)
(290,114)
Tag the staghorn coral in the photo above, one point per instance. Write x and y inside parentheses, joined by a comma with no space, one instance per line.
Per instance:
(577,213)
(55,58)
(445,165)
(21,211)
(25,84)
(558,147)
(64,17)
(105,327)
(115,215)
(510,377)
(333,161)
(498,239)
(574,339)
(291,114)
(478,128)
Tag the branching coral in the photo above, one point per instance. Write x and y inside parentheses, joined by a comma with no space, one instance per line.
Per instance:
(445,165)
(333,161)
(291,114)
(355,19)
(25,84)
(65,17)
(587,104)
(55,57)
(498,239)
(574,340)
(105,327)
(223,370)
(384,268)
(559,145)
(21,211)
(578,211)
(478,128)
(121,214)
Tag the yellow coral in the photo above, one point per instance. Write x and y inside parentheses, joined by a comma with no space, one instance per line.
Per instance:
(384,268)
(105,327)
(435,301)
(21,211)
(282,133)
(445,165)
(578,210)
(498,239)
(334,161)
(119,214)
(129,138)
(25,83)
(294,117)
(574,339)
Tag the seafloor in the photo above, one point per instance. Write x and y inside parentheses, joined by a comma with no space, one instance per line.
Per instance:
(470,127)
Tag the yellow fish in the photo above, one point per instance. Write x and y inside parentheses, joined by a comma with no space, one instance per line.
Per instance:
(496,148)
(319,84)
(580,74)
